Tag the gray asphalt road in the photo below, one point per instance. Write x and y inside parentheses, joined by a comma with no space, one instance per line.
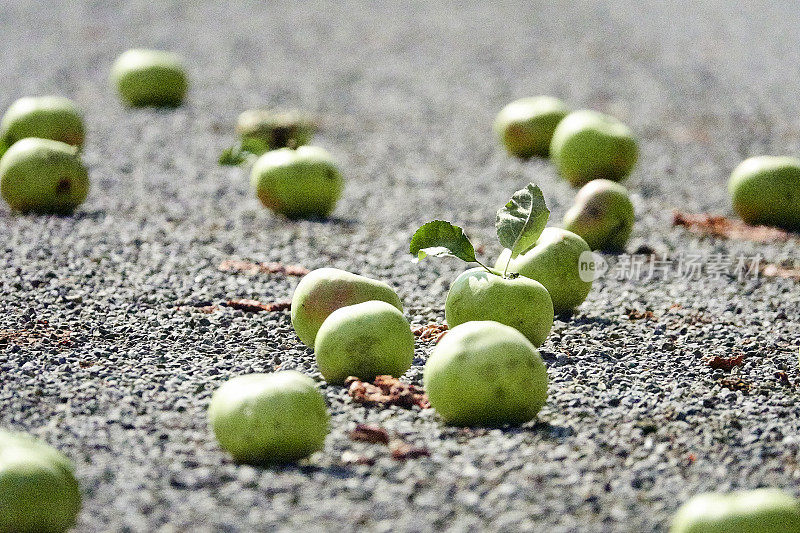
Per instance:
(105,357)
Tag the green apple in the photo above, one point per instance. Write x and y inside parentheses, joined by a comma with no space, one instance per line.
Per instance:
(364,340)
(554,261)
(299,183)
(275,129)
(150,78)
(45,117)
(485,373)
(38,489)
(602,215)
(765,510)
(766,190)
(323,291)
(525,126)
(522,303)
(43,176)
(269,418)
(588,145)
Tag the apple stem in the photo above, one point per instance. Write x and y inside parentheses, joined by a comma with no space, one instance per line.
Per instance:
(505,270)
(487,269)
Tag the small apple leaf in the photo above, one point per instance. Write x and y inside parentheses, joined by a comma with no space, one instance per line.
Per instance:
(233,156)
(243,152)
(440,238)
(520,222)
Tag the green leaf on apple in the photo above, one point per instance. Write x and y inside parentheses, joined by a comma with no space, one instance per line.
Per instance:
(245,151)
(440,238)
(521,221)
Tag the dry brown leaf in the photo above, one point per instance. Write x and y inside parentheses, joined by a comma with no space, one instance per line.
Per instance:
(635,314)
(431,332)
(248,267)
(386,390)
(726,228)
(41,332)
(725,363)
(370,433)
(402,451)
(254,306)
(783,379)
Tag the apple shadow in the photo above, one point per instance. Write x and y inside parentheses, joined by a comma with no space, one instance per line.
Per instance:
(335,471)
(570,318)
(97,214)
(344,222)
(75,215)
(540,427)
(338,221)
(550,431)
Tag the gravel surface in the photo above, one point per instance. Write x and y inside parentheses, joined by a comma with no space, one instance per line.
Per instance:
(106,351)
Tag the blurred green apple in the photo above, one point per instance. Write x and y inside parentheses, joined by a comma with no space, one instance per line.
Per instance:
(485,373)
(766,190)
(752,511)
(525,126)
(364,340)
(522,303)
(150,78)
(38,489)
(269,418)
(554,261)
(588,145)
(299,183)
(323,291)
(275,129)
(45,117)
(43,176)
(602,215)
